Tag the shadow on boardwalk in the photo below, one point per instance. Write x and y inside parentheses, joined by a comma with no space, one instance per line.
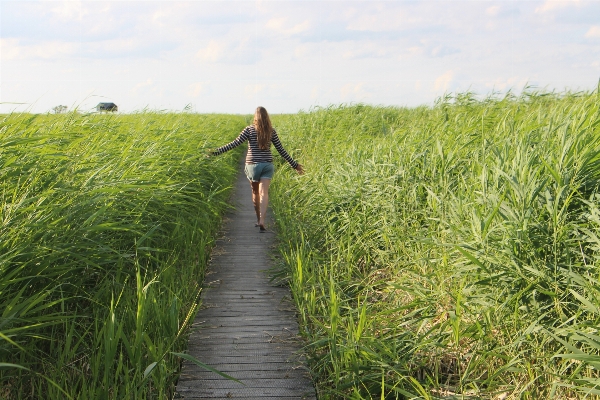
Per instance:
(246,327)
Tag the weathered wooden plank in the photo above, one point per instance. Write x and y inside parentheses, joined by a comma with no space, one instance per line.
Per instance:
(256,384)
(226,392)
(251,397)
(247,326)
(283,368)
(247,357)
(243,348)
(246,375)
(234,340)
(237,331)
(269,326)
(280,353)
(246,396)
(215,314)
(245,295)
(241,331)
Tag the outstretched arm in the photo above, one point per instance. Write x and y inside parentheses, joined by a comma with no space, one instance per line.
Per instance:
(230,146)
(283,153)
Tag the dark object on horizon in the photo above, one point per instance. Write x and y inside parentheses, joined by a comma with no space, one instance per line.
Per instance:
(107,107)
(60,109)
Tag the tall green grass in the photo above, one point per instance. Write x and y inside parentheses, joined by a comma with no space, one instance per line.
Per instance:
(447,251)
(106,224)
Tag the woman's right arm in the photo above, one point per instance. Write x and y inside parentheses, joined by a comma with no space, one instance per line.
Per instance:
(229,146)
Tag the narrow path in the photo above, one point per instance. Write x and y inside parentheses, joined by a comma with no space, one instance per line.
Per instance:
(246,328)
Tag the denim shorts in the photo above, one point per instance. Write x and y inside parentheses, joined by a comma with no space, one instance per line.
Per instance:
(256,172)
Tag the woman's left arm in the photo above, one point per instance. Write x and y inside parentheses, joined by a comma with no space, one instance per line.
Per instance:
(282,152)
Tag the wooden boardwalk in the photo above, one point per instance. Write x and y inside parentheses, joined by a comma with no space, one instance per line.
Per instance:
(246,327)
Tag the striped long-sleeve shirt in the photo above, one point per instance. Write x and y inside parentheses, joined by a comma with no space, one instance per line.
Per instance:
(256,154)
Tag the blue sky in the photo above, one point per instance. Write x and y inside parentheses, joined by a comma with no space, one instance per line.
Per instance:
(230,56)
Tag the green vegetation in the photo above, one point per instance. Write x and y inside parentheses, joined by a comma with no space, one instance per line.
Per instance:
(443,252)
(447,252)
(106,224)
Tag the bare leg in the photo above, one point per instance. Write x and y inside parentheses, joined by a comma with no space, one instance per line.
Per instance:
(256,199)
(264,200)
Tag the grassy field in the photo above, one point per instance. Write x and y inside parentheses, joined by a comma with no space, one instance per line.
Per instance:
(434,253)
(447,251)
(106,224)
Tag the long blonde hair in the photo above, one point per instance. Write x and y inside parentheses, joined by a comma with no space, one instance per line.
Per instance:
(264,129)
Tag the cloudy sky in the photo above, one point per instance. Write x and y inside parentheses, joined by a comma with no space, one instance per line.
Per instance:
(230,56)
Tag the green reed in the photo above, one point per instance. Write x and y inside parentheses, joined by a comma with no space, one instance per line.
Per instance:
(107,222)
(447,251)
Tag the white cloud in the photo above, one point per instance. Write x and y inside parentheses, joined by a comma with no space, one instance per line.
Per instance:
(432,48)
(12,49)
(493,11)
(142,88)
(198,88)
(282,26)
(354,92)
(499,12)
(233,51)
(252,90)
(371,49)
(382,18)
(441,51)
(443,82)
(504,84)
(302,51)
(158,17)
(213,52)
(593,32)
(114,47)
(551,5)
(69,10)
(315,93)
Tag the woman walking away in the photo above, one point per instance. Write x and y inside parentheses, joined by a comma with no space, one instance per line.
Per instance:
(259,160)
